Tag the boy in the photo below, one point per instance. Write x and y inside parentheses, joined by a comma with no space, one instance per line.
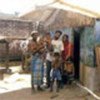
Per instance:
(55,73)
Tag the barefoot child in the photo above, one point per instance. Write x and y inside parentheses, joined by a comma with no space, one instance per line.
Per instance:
(55,73)
(69,68)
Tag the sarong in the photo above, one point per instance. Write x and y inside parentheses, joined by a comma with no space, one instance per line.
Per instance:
(37,70)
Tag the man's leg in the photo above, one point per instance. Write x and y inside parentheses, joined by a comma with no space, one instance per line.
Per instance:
(48,63)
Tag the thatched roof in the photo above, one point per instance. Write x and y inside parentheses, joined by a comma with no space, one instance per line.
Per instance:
(15,29)
(10,38)
(87,7)
(8,16)
(40,14)
(56,18)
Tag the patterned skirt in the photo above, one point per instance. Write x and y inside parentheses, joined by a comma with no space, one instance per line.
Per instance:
(37,70)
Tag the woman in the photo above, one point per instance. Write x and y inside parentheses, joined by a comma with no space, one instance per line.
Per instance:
(67,56)
(68,48)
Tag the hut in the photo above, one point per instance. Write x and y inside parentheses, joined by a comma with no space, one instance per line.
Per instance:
(13,31)
(84,31)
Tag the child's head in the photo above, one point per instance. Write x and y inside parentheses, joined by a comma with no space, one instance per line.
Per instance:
(56,56)
(69,67)
(69,61)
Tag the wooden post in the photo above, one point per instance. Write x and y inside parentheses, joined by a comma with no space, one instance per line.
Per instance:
(7,56)
(23,61)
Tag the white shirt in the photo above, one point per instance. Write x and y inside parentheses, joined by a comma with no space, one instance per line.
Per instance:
(57,45)
(49,57)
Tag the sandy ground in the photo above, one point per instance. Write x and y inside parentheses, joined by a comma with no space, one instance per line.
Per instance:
(15,82)
(17,87)
(68,93)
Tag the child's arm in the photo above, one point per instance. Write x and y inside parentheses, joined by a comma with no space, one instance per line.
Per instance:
(73,69)
(53,64)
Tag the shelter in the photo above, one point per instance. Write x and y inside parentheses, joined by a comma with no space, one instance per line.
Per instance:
(12,30)
(53,18)
(80,21)
(82,28)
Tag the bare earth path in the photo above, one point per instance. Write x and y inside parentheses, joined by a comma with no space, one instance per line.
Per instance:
(68,93)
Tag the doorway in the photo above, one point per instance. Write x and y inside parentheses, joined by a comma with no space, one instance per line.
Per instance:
(76,34)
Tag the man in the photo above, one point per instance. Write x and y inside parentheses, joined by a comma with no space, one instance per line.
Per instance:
(57,43)
(37,62)
(48,58)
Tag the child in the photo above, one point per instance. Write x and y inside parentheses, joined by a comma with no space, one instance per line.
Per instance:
(55,73)
(69,67)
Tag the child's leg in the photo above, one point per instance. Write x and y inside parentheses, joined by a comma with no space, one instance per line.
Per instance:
(59,80)
(58,85)
(39,88)
(51,85)
(60,75)
(70,77)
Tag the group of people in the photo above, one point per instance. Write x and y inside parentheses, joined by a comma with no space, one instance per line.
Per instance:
(57,53)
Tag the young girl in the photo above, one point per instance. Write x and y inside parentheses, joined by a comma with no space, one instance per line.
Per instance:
(69,68)
(55,73)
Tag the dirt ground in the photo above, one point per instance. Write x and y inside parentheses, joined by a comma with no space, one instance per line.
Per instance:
(68,93)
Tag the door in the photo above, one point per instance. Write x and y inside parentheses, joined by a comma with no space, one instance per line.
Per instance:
(76,34)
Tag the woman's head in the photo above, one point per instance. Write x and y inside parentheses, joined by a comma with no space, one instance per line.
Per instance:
(65,38)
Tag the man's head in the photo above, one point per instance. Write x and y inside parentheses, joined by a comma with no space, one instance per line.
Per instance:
(34,35)
(65,37)
(58,33)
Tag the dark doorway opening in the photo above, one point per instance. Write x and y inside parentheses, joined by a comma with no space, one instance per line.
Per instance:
(76,34)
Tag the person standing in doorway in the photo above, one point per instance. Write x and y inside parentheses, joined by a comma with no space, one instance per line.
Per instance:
(67,56)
